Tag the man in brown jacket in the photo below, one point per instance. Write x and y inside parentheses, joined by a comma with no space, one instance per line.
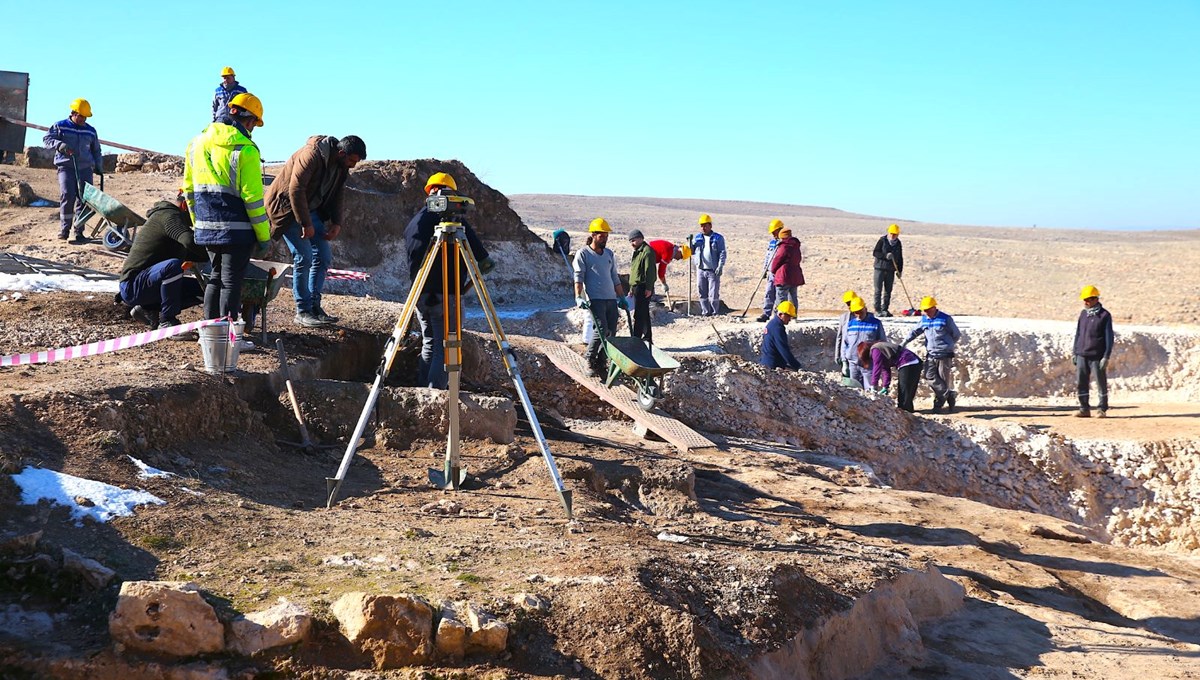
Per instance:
(304,204)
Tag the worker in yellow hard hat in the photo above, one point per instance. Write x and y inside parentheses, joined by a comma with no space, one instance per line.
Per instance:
(708,252)
(227,90)
(889,263)
(775,351)
(1093,347)
(843,365)
(222,180)
(941,336)
(773,228)
(77,156)
(419,237)
(598,287)
(862,327)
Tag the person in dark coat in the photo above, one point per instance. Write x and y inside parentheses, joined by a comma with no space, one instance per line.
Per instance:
(1093,347)
(153,282)
(776,352)
(419,237)
(785,267)
(889,263)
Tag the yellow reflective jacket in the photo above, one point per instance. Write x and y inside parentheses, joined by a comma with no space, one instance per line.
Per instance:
(222,180)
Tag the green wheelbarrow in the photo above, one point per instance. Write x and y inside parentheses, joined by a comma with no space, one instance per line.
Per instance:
(640,361)
(116,223)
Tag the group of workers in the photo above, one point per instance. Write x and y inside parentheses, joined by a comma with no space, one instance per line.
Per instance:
(222,213)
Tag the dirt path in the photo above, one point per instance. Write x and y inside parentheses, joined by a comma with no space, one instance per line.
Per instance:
(1125,421)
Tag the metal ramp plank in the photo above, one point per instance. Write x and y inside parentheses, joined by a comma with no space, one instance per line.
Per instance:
(624,399)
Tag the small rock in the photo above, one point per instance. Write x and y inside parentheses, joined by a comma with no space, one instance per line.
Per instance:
(451,638)
(531,602)
(284,624)
(394,630)
(93,573)
(165,617)
(488,635)
(84,502)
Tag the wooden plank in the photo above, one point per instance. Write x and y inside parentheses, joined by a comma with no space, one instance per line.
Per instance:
(624,399)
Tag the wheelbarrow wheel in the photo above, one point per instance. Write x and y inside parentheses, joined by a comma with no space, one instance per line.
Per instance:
(114,239)
(648,394)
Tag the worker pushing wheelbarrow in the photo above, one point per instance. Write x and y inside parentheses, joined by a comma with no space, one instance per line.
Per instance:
(642,362)
(116,224)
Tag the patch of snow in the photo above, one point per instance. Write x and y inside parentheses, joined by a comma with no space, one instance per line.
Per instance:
(146,472)
(107,501)
(44,283)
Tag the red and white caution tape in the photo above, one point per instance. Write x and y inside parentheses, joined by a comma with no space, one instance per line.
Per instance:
(105,346)
(346,275)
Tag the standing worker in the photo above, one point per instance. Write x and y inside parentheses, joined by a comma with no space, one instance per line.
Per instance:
(862,327)
(786,272)
(666,252)
(1093,347)
(641,283)
(595,270)
(222,180)
(769,296)
(889,263)
(884,356)
(153,282)
(843,365)
(226,91)
(307,194)
(708,250)
(432,310)
(776,352)
(941,334)
(77,155)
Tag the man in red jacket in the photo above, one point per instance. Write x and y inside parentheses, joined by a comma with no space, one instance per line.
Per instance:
(666,252)
(785,267)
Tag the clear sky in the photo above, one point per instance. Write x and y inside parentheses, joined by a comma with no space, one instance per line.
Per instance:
(1066,113)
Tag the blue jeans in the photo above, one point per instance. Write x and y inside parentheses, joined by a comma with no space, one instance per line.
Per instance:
(310,262)
(162,286)
(769,297)
(431,365)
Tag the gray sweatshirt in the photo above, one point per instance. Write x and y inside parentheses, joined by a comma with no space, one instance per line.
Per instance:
(597,273)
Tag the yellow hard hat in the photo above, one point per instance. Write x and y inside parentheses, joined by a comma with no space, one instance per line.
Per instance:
(82,107)
(786,307)
(705,219)
(250,103)
(928,302)
(440,179)
(775,226)
(894,229)
(848,296)
(599,225)
(1089,292)
(227,71)
(857,305)
(685,250)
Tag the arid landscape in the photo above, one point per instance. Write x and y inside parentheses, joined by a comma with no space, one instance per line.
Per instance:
(825,534)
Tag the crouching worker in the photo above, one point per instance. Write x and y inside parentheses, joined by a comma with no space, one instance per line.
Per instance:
(882,357)
(776,353)
(153,282)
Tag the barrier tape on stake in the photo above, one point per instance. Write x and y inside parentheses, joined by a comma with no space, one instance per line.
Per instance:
(346,275)
(106,346)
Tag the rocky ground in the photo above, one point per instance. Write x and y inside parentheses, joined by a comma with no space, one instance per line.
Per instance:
(828,535)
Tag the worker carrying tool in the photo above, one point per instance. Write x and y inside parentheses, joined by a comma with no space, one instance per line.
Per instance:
(222,180)
(769,296)
(889,263)
(941,334)
(776,352)
(1093,347)
(153,282)
(862,327)
(595,270)
(304,204)
(226,91)
(77,156)
(708,252)
(432,310)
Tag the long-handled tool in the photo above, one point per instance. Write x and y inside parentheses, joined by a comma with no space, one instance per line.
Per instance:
(903,287)
(754,294)
(306,442)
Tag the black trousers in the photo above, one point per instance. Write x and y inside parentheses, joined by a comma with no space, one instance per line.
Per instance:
(223,295)
(641,314)
(884,280)
(907,378)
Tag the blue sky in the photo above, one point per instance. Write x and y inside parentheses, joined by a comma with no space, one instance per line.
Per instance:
(1064,113)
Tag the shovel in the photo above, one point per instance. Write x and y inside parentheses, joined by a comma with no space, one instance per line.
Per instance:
(911,309)
(754,295)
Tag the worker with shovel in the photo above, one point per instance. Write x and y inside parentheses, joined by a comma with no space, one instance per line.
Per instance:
(76,155)
(889,263)
(595,272)
(941,335)
(1093,346)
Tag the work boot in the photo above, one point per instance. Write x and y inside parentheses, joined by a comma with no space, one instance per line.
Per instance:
(320,314)
(307,320)
(883,312)
(763,317)
(951,397)
(1102,413)
(182,337)
(1083,413)
(80,238)
(938,400)
(146,316)
(64,234)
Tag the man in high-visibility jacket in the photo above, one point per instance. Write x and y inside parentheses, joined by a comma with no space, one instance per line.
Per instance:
(222,180)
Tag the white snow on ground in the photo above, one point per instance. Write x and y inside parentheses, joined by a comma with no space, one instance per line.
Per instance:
(146,472)
(44,283)
(62,489)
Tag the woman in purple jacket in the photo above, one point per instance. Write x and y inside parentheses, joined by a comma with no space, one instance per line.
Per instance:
(881,358)
(785,267)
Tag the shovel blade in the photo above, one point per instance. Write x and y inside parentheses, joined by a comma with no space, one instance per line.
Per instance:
(441,480)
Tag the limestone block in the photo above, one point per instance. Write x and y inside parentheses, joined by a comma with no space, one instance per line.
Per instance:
(95,574)
(284,624)
(451,638)
(394,630)
(488,635)
(165,617)
(36,157)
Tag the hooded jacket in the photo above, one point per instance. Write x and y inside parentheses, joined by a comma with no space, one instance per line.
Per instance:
(166,235)
(1094,333)
(312,180)
(785,266)
(222,180)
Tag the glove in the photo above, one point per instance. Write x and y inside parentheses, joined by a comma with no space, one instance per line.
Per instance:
(486,265)
(890,257)
(1074,359)
(260,251)
(719,272)
(899,274)
(882,390)
(623,303)
(1104,364)
(666,289)
(581,302)
(64,149)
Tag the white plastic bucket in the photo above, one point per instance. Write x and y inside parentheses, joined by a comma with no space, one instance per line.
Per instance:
(220,355)
(588,328)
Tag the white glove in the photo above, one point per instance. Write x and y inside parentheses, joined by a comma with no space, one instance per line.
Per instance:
(581,302)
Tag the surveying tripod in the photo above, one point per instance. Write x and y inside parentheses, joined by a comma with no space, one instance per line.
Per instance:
(449,244)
